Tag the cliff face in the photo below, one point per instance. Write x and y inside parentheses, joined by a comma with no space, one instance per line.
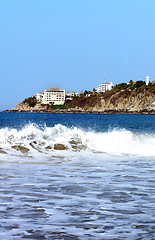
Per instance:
(118,101)
(24,107)
(130,104)
(139,100)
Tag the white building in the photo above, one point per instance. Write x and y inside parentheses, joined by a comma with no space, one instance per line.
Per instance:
(104,87)
(39,96)
(71,95)
(55,96)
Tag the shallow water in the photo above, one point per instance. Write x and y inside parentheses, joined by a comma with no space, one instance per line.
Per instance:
(78,199)
(102,190)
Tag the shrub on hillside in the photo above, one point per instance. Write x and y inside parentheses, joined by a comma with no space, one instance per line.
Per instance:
(138,84)
(121,86)
(31,101)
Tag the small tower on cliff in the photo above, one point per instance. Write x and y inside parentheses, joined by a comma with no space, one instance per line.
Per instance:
(147,80)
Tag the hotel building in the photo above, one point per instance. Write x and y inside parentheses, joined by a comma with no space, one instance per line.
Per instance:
(55,96)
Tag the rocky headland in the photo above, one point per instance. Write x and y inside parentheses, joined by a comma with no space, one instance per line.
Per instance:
(121,99)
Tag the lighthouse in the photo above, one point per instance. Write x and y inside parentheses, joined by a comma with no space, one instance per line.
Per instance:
(147,80)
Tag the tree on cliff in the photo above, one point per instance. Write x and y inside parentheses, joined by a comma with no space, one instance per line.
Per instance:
(31,101)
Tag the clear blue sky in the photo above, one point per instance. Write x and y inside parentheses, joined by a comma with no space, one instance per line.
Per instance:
(73,44)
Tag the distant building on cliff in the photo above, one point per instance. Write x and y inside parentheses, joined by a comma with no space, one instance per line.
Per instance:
(71,95)
(55,96)
(104,87)
(39,96)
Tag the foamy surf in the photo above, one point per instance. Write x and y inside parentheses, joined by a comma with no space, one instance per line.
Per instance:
(34,141)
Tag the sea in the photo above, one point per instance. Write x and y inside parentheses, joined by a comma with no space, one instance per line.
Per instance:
(77,176)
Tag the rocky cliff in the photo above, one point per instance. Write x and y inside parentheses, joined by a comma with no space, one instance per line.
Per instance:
(25,107)
(118,101)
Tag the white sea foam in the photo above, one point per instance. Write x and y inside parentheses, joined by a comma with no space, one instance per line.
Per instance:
(89,190)
(115,142)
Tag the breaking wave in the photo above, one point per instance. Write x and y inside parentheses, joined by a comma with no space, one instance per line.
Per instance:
(32,139)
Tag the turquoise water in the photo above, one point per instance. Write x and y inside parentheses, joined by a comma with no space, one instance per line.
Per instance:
(98,184)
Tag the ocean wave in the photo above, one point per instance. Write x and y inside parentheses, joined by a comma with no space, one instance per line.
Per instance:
(31,139)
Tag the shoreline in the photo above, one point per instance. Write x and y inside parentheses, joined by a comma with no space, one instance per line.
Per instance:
(79,111)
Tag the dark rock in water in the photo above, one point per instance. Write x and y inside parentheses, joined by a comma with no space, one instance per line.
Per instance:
(75,142)
(48,147)
(33,143)
(21,148)
(77,145)
(58,157)
(35,146)
(59,146)
(2,151)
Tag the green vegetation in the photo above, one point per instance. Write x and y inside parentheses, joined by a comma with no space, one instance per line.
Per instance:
(31,101)
(120,86)
(139,86)
(66,105)
(132,85)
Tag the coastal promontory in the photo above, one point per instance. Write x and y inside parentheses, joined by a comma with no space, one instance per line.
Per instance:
(123,98)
